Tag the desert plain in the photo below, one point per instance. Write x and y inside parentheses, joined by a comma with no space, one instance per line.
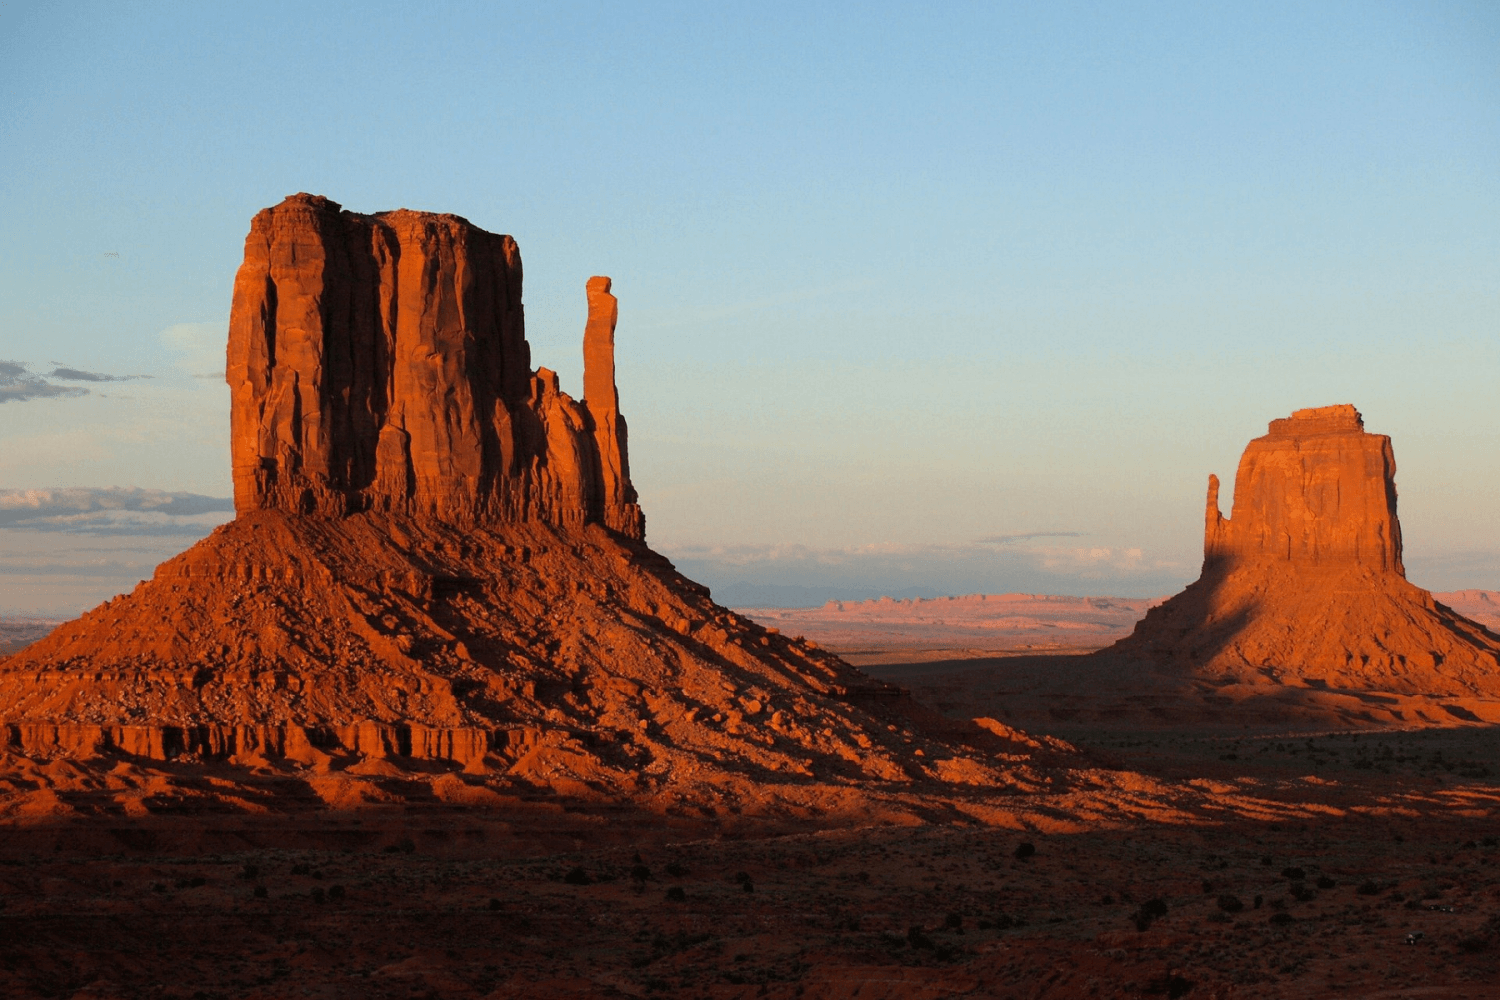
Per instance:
(430,718)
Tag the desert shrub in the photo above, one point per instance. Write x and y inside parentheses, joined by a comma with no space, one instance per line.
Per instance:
(1259,899)
(495,904)
(1293,874)
(577,876)
(1303,893)
(917,938)
(1368,888)
(1172,985)
(676,894)
(1324,882)
(954,921)
(1025,850)
(1474,943)
(318,895)
(301,869)
(1150,910)
(676,870)
(1208,888)
(639,872)
(260,892)
(403,846)
(1230,904)
(250,873)
(336,893)
(1281,919)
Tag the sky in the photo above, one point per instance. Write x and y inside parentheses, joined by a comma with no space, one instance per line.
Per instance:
(914,299)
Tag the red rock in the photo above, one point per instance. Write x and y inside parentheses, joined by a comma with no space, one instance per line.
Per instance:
(438,554)
(1304,584)
(379,362)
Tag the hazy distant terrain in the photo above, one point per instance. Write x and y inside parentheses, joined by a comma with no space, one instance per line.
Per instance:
(914,629)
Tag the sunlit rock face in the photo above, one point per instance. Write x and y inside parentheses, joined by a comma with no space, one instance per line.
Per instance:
(438,555)
(1304,583)
(379,362)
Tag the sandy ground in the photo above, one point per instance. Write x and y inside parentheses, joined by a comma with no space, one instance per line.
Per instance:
(1266,860)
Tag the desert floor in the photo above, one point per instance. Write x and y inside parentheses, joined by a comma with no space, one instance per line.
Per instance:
(1378,876)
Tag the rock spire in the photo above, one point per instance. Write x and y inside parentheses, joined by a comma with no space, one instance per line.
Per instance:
(1304,582)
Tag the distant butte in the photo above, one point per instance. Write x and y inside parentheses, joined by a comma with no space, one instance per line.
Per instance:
(1304,583)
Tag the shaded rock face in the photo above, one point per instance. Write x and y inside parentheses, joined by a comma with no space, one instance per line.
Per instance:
(1304,583)
(379,362)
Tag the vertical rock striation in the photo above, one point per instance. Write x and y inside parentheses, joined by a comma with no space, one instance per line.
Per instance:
(379,362)
(1304,582)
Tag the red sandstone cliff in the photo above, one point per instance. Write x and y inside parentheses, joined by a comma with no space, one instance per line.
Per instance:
(1304,582)
(379,362)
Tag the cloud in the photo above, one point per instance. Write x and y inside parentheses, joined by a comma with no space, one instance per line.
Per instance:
(1028,536)
(17,385)
(112,511)
(804,575)
(75,375)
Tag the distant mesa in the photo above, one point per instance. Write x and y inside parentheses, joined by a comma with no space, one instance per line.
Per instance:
(1304,583)
(437,553)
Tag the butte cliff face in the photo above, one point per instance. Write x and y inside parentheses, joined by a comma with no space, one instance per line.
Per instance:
(438,554)
(1304,583)
(380,363)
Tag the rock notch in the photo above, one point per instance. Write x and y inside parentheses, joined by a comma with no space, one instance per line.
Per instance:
(438,554)
(1304,583)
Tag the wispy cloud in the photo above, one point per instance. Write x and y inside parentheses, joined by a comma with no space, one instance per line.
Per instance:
(112,511)
(17,385)
(1021,563)
(78,375)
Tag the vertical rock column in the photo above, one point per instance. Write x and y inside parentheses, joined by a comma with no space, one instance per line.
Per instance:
(619,510)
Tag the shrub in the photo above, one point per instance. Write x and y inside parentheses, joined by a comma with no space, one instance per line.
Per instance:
(1368,888)
(260,892)
(1303,893)
(1208,888)
(676,894)
(1025,850)
(639,872)
(917,938)
(1293,874)
(577,876)
(1324,882)
(495,904)
(1230,904)
(250,873)
(1281,919)
(954,921)
(1149,911)
(676,870)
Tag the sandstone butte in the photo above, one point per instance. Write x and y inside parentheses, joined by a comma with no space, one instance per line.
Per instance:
(1303,584)
(438,555)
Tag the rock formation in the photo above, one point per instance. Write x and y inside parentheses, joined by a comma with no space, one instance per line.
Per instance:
(1304,583)
(438,554)
(380,363)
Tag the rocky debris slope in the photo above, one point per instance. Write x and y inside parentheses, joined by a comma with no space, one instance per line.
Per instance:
(1304,583)
(438,556)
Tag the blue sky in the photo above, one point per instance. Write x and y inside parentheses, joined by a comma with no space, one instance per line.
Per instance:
(892,280)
